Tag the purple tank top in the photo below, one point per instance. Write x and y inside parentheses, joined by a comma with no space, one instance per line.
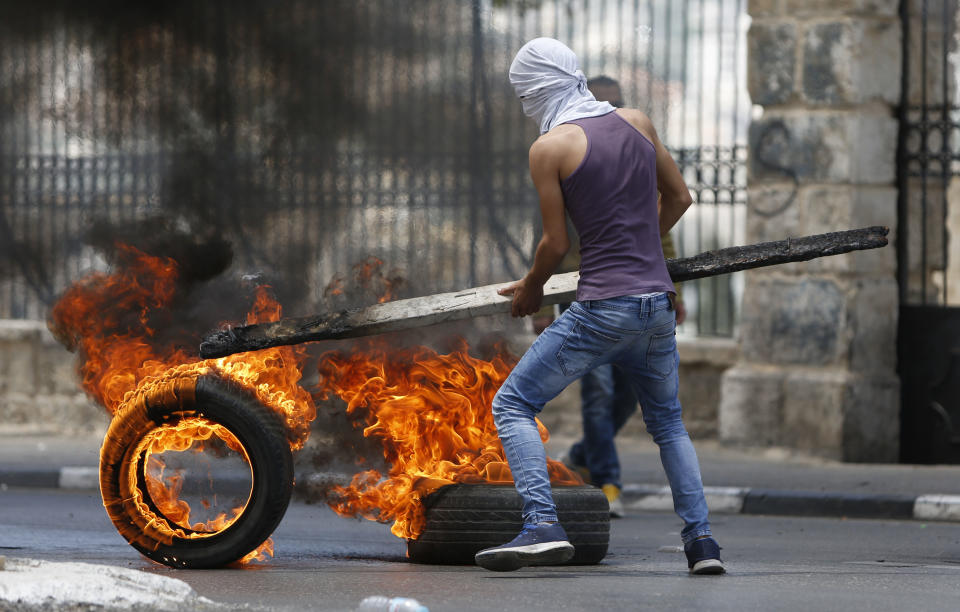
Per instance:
(612,201)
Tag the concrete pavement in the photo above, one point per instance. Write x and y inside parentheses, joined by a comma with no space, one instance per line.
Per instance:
(769,481)
(326,562)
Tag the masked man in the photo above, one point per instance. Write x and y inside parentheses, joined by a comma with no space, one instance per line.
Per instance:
(604,167)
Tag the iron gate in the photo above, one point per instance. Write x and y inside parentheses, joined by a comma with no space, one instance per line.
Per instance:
(928,342)
(313,134)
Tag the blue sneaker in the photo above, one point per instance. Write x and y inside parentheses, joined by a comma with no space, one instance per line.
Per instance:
(542,544)
(703,557)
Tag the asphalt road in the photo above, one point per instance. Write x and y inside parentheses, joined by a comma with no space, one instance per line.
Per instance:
(324,562)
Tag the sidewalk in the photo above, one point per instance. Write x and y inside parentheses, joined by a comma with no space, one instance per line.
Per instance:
(776,481)
(771,481)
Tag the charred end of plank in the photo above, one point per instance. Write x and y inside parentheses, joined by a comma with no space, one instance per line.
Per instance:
(735,259)
(284,332)
(219,343)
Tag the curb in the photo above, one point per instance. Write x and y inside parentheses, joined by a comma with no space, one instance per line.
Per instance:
(650,497)
(741,500)
(69,477)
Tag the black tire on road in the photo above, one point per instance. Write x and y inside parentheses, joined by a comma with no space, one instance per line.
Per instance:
(463,519)
(262,435)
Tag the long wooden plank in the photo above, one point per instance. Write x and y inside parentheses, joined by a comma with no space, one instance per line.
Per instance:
(480,301)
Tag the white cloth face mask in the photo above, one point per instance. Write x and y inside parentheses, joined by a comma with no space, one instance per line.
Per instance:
(552,89)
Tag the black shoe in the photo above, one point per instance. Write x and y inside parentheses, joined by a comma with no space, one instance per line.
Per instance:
(543,544)
(703,557)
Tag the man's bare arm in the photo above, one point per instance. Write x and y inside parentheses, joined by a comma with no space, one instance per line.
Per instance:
(675,198)
(545,172)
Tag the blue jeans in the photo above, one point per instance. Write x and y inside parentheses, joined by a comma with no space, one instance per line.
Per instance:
(635,334)
(607,402)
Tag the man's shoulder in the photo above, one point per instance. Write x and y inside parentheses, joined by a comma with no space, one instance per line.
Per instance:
(638,119)
(557,141)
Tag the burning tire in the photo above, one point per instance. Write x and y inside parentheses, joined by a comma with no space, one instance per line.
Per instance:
(463,519)
(215,407)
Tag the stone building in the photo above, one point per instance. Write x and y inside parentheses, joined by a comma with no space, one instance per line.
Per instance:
(818,365)
(854,125)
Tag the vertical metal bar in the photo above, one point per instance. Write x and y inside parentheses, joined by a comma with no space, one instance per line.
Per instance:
(119,127)
(455,198)
(9,149)
(602,21)
(718,97)
(416,176)
(924,159)
(718,80)
(681,140)
(585,42)
(736,73)
(306,162)
(685,45)
(65,186)
(137,185)
(475,152)
(247,151)
(701,285)
(667,72)
(6,192)
(394,159)
(945,144)
(648,106)
(620,53)
(97,204)
(32,175)
(701,49)
(22,198)
(380,131)
(6,170)
(734,151)
(46,202)
(556,18)
(88,85)
(439,166)
(444,195)
(51,202)
(634,80)
(162,190)
(903,202)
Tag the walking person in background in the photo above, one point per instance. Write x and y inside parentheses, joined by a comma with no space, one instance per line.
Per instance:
(602,166)
(607,400)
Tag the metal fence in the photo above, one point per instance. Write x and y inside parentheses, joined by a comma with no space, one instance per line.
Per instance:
(928,154)
(314,134)
(928,224)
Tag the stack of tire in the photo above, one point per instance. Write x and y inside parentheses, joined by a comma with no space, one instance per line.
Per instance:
(122,468)
(463,519)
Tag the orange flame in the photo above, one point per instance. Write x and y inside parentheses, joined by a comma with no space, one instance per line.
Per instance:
(109,318)
(369,275)
(119,353)
(432,414)
(165,491)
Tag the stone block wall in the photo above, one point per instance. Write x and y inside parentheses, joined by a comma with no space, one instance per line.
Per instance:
(817,368)
(39,391)
(38,385)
